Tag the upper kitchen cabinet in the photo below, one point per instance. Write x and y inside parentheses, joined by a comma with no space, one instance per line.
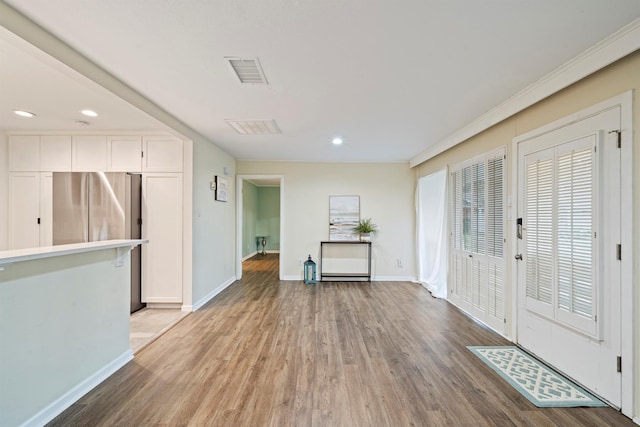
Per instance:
(24,153)
(89,154)
(125,153)
(55,153)
(162,154)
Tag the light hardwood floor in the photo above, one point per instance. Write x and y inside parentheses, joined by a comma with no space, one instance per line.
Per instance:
(271,353)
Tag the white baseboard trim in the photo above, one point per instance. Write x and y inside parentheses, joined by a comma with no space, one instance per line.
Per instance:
(202,301)
(69,398)
(394,279)
(636,420)
(250,255)
(373,279)
(167,305)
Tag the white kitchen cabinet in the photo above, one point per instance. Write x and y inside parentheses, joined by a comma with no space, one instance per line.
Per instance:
(89,153)
(46,209)
(30,210)
(162,154)
(24,153)
(55,153)
(162,226)
(124,153)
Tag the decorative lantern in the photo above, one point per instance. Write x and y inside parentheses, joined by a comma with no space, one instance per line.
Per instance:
(309,271)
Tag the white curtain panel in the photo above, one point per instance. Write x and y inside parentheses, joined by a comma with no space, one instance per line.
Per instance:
(431,206)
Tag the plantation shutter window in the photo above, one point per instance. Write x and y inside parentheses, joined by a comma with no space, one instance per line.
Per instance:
(495,195)
(495,236)
(538,225)
(560,233)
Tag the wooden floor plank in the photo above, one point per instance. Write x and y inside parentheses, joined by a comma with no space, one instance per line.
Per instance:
(268,352)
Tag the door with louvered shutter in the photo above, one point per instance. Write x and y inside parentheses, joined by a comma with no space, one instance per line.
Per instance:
(477,263)
(568,289)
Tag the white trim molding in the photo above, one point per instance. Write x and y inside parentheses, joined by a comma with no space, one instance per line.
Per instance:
(202,301)
(627,216)
(240,212)
(373,279)
(69,398)
(411,279)
(252,254)
(616,46)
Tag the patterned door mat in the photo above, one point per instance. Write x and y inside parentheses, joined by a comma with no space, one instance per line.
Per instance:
(540,385)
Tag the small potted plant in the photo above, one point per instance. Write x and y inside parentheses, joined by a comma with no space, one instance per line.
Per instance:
(365,228)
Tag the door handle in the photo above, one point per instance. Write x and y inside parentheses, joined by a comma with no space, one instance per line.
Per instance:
(518,257)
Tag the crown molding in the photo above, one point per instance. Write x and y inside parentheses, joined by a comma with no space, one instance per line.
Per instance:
(616,46)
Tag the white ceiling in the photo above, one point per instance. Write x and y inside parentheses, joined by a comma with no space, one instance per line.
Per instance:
(391,77)
(33,81)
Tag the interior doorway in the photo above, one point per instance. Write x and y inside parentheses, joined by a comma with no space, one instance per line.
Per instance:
(259,219)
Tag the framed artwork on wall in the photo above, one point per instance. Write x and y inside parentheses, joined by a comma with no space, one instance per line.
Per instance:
(221,189)
(344,215)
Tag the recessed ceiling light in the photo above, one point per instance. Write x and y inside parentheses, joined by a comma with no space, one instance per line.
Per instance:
(89,113)
(23,113)
(337,141)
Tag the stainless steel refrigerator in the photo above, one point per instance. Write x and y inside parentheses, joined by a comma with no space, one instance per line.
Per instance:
(94,206)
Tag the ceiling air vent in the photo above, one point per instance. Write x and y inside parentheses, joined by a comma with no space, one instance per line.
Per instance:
(248,71)
(254,127)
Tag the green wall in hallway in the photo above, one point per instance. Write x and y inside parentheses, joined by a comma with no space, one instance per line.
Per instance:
(260,217)
(269,216)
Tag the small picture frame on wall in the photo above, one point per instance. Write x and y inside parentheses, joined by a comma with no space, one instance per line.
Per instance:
(221,189)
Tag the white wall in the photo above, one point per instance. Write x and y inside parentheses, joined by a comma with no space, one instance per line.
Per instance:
(60,331)
(4,190)
(249,218)
(386,193)
(214,223)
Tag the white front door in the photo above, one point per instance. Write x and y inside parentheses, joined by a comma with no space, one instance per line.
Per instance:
(569,282)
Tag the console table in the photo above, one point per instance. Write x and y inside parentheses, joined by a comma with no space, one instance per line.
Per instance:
(345,260)
(261,240)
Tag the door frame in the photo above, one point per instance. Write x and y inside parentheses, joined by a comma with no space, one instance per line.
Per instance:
(625,102)
(240,214)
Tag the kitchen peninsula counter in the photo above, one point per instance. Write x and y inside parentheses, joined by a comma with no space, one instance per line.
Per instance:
(64,325)
(18,255)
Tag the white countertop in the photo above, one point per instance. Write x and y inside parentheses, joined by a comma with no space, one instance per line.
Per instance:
(19,255)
